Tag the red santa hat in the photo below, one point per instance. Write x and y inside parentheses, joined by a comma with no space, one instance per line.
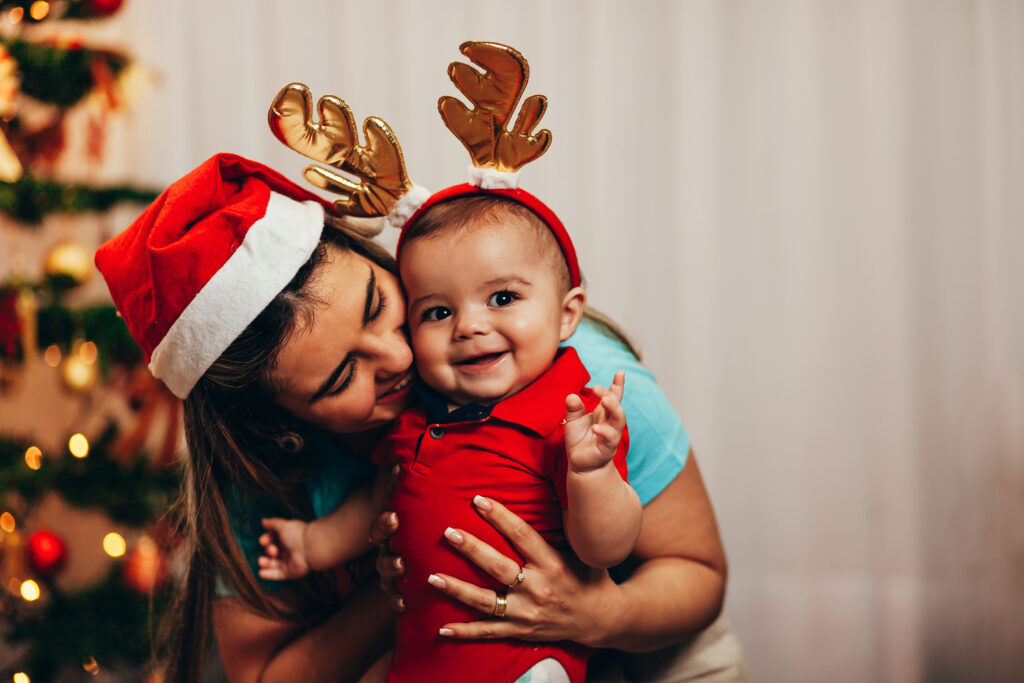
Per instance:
(207,256)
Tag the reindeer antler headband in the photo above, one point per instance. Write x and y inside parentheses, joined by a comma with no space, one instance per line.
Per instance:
(496,151)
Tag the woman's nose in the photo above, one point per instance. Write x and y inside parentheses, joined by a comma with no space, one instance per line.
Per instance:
(392,353)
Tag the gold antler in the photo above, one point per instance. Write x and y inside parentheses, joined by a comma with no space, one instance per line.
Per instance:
(334,141)
(495,92)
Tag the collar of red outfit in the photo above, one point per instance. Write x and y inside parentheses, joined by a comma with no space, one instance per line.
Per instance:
(517,195)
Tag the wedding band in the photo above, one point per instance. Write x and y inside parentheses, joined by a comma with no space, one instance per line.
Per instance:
(518,580)
(500,604)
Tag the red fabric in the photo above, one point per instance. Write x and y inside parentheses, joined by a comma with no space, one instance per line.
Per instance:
(158,264)
(515,456)
(521,196)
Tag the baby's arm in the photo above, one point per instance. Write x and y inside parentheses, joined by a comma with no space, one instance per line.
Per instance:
(292,548)
(603,512)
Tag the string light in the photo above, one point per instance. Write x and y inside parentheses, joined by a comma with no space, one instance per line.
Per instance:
(78,445)
(34,457)
(30,590)
(21,676)
(16,15)
(7,522)
(91,666)
(114,545)
(52,355)
(39,10)
(88,352)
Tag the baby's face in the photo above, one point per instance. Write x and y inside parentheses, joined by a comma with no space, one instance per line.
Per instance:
(486,311)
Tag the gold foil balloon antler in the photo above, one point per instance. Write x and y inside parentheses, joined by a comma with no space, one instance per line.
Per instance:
(495,92)
(334,141)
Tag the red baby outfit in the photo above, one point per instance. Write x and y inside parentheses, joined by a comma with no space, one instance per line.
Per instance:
(514,454)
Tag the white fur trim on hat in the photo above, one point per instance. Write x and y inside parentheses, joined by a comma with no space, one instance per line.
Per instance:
(273,250)
(408,204)
(493,179)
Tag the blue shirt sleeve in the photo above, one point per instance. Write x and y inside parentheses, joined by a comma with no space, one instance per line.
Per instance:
(658,443)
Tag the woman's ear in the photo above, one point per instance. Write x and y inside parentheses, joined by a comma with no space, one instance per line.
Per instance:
(572,310)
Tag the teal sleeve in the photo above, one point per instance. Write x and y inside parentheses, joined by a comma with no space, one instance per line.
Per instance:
(658,443)
(335,474)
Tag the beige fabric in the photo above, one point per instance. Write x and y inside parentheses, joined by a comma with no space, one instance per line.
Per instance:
(715,656)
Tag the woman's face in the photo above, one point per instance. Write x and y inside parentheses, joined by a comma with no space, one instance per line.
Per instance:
(349,368)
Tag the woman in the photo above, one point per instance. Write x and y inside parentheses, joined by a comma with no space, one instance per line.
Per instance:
(277,337)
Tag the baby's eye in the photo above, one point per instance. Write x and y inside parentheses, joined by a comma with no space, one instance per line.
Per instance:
(436,313)
(502,298)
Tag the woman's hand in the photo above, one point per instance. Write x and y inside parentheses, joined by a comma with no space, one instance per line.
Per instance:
(557,598)
(389,566)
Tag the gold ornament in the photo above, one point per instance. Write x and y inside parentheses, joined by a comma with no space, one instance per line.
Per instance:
(495,92)
(335,141)
(69,260)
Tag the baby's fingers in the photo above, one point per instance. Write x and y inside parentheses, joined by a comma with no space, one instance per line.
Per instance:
(612,413)
(618,384)
(574,408)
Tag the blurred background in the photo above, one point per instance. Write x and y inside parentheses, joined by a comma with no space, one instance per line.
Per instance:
(808,213)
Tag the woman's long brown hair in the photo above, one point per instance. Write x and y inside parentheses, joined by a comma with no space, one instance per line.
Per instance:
(238,437)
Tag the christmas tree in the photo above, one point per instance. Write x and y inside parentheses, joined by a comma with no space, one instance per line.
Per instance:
(87,438)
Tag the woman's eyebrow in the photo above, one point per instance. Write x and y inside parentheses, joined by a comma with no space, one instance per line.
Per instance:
(371,287)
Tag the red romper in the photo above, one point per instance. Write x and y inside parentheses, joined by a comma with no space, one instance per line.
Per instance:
(514,454)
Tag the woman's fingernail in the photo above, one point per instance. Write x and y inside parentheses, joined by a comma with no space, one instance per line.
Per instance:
(453,535)
(399,604)
(398,564)
(436,581)
(393,519)
(481,502)
(396,469)
(446,632)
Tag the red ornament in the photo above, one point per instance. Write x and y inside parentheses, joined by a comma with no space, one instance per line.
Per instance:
(104,8)
(145,568)
(46,552)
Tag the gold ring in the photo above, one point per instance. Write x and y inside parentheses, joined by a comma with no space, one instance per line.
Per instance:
(518,580)
(500,604)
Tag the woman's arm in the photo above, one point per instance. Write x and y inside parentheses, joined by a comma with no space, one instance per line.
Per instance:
(676,591)
(341,648)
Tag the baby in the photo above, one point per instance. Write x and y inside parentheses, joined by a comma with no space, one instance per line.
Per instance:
(504,414)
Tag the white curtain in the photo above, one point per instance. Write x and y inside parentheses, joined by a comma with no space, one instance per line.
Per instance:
(810,213)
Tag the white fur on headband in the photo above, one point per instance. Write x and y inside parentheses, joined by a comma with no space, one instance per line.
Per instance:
(407,205)
(493,179)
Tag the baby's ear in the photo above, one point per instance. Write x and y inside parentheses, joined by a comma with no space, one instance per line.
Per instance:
(572,310)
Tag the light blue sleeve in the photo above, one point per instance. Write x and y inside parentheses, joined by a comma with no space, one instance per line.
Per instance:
(658,442)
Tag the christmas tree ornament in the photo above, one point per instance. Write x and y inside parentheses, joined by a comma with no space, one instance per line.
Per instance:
(46,552)
(104,8)
(145,568)
(68,264)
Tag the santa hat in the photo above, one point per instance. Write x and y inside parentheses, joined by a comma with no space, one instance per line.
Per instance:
(207,256)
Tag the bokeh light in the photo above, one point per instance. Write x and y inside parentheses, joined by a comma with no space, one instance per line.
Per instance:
(39,10)
(21,676)
(16,15)
(88,353)
(78,445)
(52,355)
(33,457)
(91,666)
(7,522)
(114,545)
(30,590)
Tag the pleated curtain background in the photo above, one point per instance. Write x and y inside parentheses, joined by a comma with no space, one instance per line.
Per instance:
(809,213)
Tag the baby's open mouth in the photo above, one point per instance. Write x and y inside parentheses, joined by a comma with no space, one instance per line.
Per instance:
(482,360)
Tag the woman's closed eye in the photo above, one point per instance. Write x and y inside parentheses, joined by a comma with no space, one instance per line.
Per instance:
(502,298)
(436,313)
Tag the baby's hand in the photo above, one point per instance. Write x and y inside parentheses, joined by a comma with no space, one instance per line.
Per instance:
(591,439)
(284,550)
